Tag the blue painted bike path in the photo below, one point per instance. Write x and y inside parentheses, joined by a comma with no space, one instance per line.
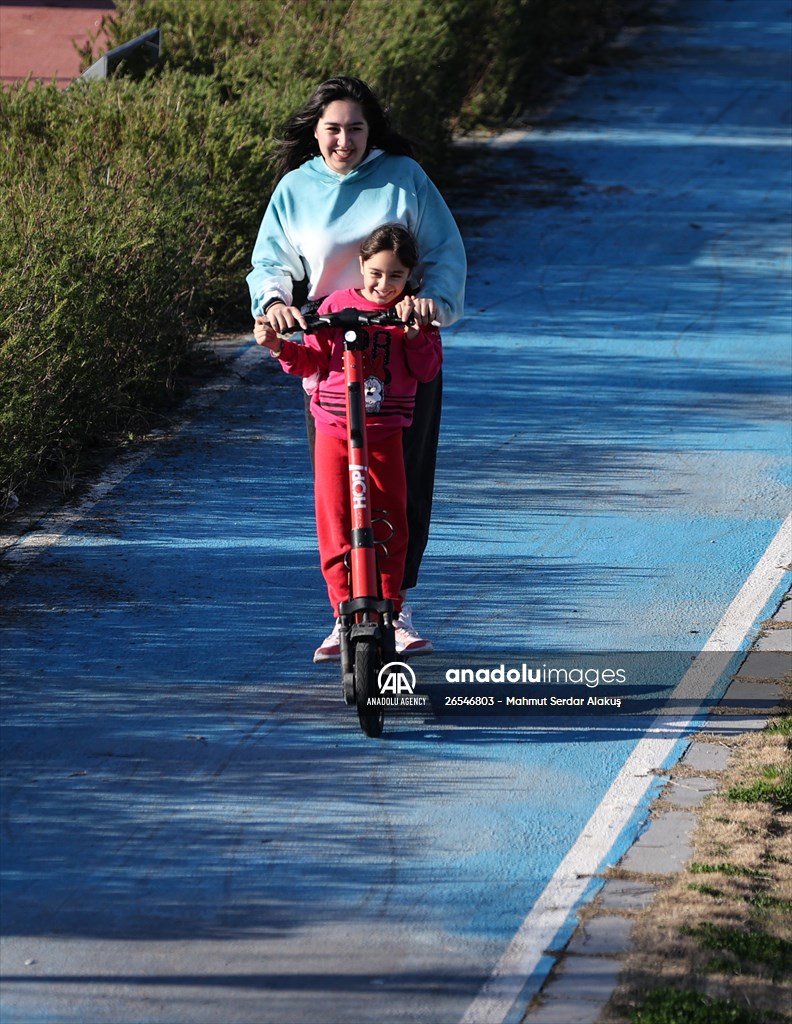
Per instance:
(194,827)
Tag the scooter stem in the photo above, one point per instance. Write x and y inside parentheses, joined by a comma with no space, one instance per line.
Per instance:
(363,564)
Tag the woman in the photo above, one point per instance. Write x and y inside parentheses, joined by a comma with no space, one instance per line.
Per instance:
(343,171)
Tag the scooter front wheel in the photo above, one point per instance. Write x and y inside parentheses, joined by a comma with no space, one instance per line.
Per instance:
(367,666)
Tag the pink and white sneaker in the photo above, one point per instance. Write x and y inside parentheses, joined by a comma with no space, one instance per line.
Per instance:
(408,639)
(330,647)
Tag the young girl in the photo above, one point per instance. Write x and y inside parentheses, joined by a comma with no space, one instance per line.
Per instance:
(396,359)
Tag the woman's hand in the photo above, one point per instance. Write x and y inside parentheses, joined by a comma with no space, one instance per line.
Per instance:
(265,336)
(426,310)
(283,318)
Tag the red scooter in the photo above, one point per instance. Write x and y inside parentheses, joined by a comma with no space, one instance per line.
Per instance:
(366,630)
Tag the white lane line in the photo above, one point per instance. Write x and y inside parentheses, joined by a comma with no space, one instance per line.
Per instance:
(757,590)
(58,523)
(606,825)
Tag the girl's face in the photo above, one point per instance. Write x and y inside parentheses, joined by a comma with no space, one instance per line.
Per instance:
(384,277)
(342,133)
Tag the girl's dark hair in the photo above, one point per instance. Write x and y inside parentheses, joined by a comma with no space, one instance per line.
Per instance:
(391,238)
(298,143)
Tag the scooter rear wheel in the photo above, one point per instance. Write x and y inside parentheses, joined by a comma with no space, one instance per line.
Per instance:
(367,666)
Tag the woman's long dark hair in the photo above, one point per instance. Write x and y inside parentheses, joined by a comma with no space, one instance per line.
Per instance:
(298,142)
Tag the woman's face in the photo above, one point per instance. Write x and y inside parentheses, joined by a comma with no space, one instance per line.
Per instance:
(342,133)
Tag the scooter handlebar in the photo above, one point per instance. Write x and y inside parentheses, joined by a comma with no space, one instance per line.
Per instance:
(351,317)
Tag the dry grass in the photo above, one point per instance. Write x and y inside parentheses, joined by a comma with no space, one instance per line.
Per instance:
(723,927)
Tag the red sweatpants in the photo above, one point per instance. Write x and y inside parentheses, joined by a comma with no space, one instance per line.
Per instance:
(333,522)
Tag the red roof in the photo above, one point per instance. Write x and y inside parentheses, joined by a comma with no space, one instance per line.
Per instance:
(37,37)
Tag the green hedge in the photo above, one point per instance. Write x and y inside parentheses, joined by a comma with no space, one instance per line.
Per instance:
(122,223)
(130,206)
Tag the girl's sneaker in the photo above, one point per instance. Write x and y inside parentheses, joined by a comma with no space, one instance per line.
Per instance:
(330,647)
(408,639)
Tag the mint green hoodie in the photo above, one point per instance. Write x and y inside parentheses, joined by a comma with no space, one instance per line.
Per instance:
(316,220)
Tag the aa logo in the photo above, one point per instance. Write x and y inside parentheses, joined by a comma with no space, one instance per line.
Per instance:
(396,678)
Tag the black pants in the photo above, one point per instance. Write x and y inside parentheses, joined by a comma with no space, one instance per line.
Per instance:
(420,458)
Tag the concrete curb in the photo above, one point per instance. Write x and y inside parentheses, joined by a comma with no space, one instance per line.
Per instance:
(587,971)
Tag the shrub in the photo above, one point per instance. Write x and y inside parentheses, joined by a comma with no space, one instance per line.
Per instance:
(114,238)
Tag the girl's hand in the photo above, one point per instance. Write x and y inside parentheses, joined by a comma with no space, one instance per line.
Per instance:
(264,334)
(406,311)
(283,318)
